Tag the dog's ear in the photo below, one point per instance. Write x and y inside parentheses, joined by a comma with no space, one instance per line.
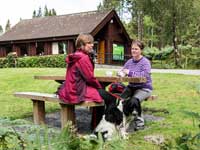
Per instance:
(119,116)
(109,116)
(127,108)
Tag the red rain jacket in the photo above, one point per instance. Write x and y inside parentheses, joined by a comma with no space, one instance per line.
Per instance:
(80,84)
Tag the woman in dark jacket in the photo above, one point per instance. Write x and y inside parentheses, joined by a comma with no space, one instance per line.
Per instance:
(80,84)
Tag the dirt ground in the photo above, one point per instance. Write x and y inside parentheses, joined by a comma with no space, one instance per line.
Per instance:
(83,119)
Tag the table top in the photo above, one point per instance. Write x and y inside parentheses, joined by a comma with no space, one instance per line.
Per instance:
(99,78)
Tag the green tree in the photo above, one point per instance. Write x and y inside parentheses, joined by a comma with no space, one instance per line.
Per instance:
(46,11)
(50,13)
(177,18)
(118,5)
(8,25)
(39,13)
(1,30)
(34,14)
(53,11)
(170,17)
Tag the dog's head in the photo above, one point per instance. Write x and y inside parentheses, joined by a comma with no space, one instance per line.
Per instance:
(132,106)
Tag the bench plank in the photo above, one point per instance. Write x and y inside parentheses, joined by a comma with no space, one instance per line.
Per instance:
(67,110)
(52,98)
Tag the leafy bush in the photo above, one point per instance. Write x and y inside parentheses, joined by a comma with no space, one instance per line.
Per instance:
(151,52)
(9,61)
(156,54)
(166,52)
(19,134)
(25,136)
(2,62)
(51,61)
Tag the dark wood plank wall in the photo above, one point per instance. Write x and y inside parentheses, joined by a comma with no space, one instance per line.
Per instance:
(70,46)
(47,48)
(2,52)
(31,49)
(16,48)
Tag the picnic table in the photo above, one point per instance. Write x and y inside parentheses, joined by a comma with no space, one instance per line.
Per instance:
(104,80)
(68,110)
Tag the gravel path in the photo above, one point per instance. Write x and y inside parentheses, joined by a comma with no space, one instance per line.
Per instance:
(177,71)
(83,117)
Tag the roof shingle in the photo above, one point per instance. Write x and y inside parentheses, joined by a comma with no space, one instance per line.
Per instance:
(55,26)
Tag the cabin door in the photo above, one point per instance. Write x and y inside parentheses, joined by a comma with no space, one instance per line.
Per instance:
(101,52)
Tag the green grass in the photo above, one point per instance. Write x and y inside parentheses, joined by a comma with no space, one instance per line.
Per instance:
(13,80)
(177,96)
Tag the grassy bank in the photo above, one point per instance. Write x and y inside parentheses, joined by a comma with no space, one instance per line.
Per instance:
(178,96)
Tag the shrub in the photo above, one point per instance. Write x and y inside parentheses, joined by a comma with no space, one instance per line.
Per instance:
(151,52)
(51,61)
(2,62)
(166,52)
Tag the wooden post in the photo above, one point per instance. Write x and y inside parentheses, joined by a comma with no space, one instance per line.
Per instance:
(38,112)
(67,114)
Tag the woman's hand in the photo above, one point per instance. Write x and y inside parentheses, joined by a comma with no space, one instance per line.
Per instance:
(123,73)
(126,71)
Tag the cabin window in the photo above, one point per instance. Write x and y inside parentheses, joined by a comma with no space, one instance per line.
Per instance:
(62,46)
(40,48)
(23,49)
(8,49)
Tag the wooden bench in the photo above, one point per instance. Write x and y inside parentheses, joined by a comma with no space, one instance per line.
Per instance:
(67,110)
(152,97)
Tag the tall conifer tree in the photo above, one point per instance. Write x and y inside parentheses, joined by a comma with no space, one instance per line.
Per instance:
(8,25)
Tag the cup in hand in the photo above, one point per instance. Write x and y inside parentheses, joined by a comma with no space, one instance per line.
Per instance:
(121,74)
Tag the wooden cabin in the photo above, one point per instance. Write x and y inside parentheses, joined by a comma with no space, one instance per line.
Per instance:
(57,34)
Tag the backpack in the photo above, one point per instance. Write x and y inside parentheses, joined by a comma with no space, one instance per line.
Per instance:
(116,87)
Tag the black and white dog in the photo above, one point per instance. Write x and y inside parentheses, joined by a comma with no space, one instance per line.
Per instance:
(110,123)
(115,121)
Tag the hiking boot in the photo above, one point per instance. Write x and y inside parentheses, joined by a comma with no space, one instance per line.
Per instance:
(139,123)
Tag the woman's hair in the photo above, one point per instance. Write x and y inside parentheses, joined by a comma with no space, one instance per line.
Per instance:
(83,39)
(138,43)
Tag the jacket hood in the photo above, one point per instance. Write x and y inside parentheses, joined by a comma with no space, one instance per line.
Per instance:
(72,58)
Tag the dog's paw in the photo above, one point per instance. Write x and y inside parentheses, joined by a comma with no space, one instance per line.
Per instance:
(93,136)
(123,133)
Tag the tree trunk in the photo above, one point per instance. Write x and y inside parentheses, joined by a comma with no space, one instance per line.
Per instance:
(140,25)
(174,38)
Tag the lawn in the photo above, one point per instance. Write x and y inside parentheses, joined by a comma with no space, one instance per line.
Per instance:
(178,96)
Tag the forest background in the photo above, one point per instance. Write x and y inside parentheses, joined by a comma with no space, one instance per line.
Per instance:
(170,28)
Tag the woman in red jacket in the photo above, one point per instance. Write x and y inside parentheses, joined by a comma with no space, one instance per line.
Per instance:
(80,84)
